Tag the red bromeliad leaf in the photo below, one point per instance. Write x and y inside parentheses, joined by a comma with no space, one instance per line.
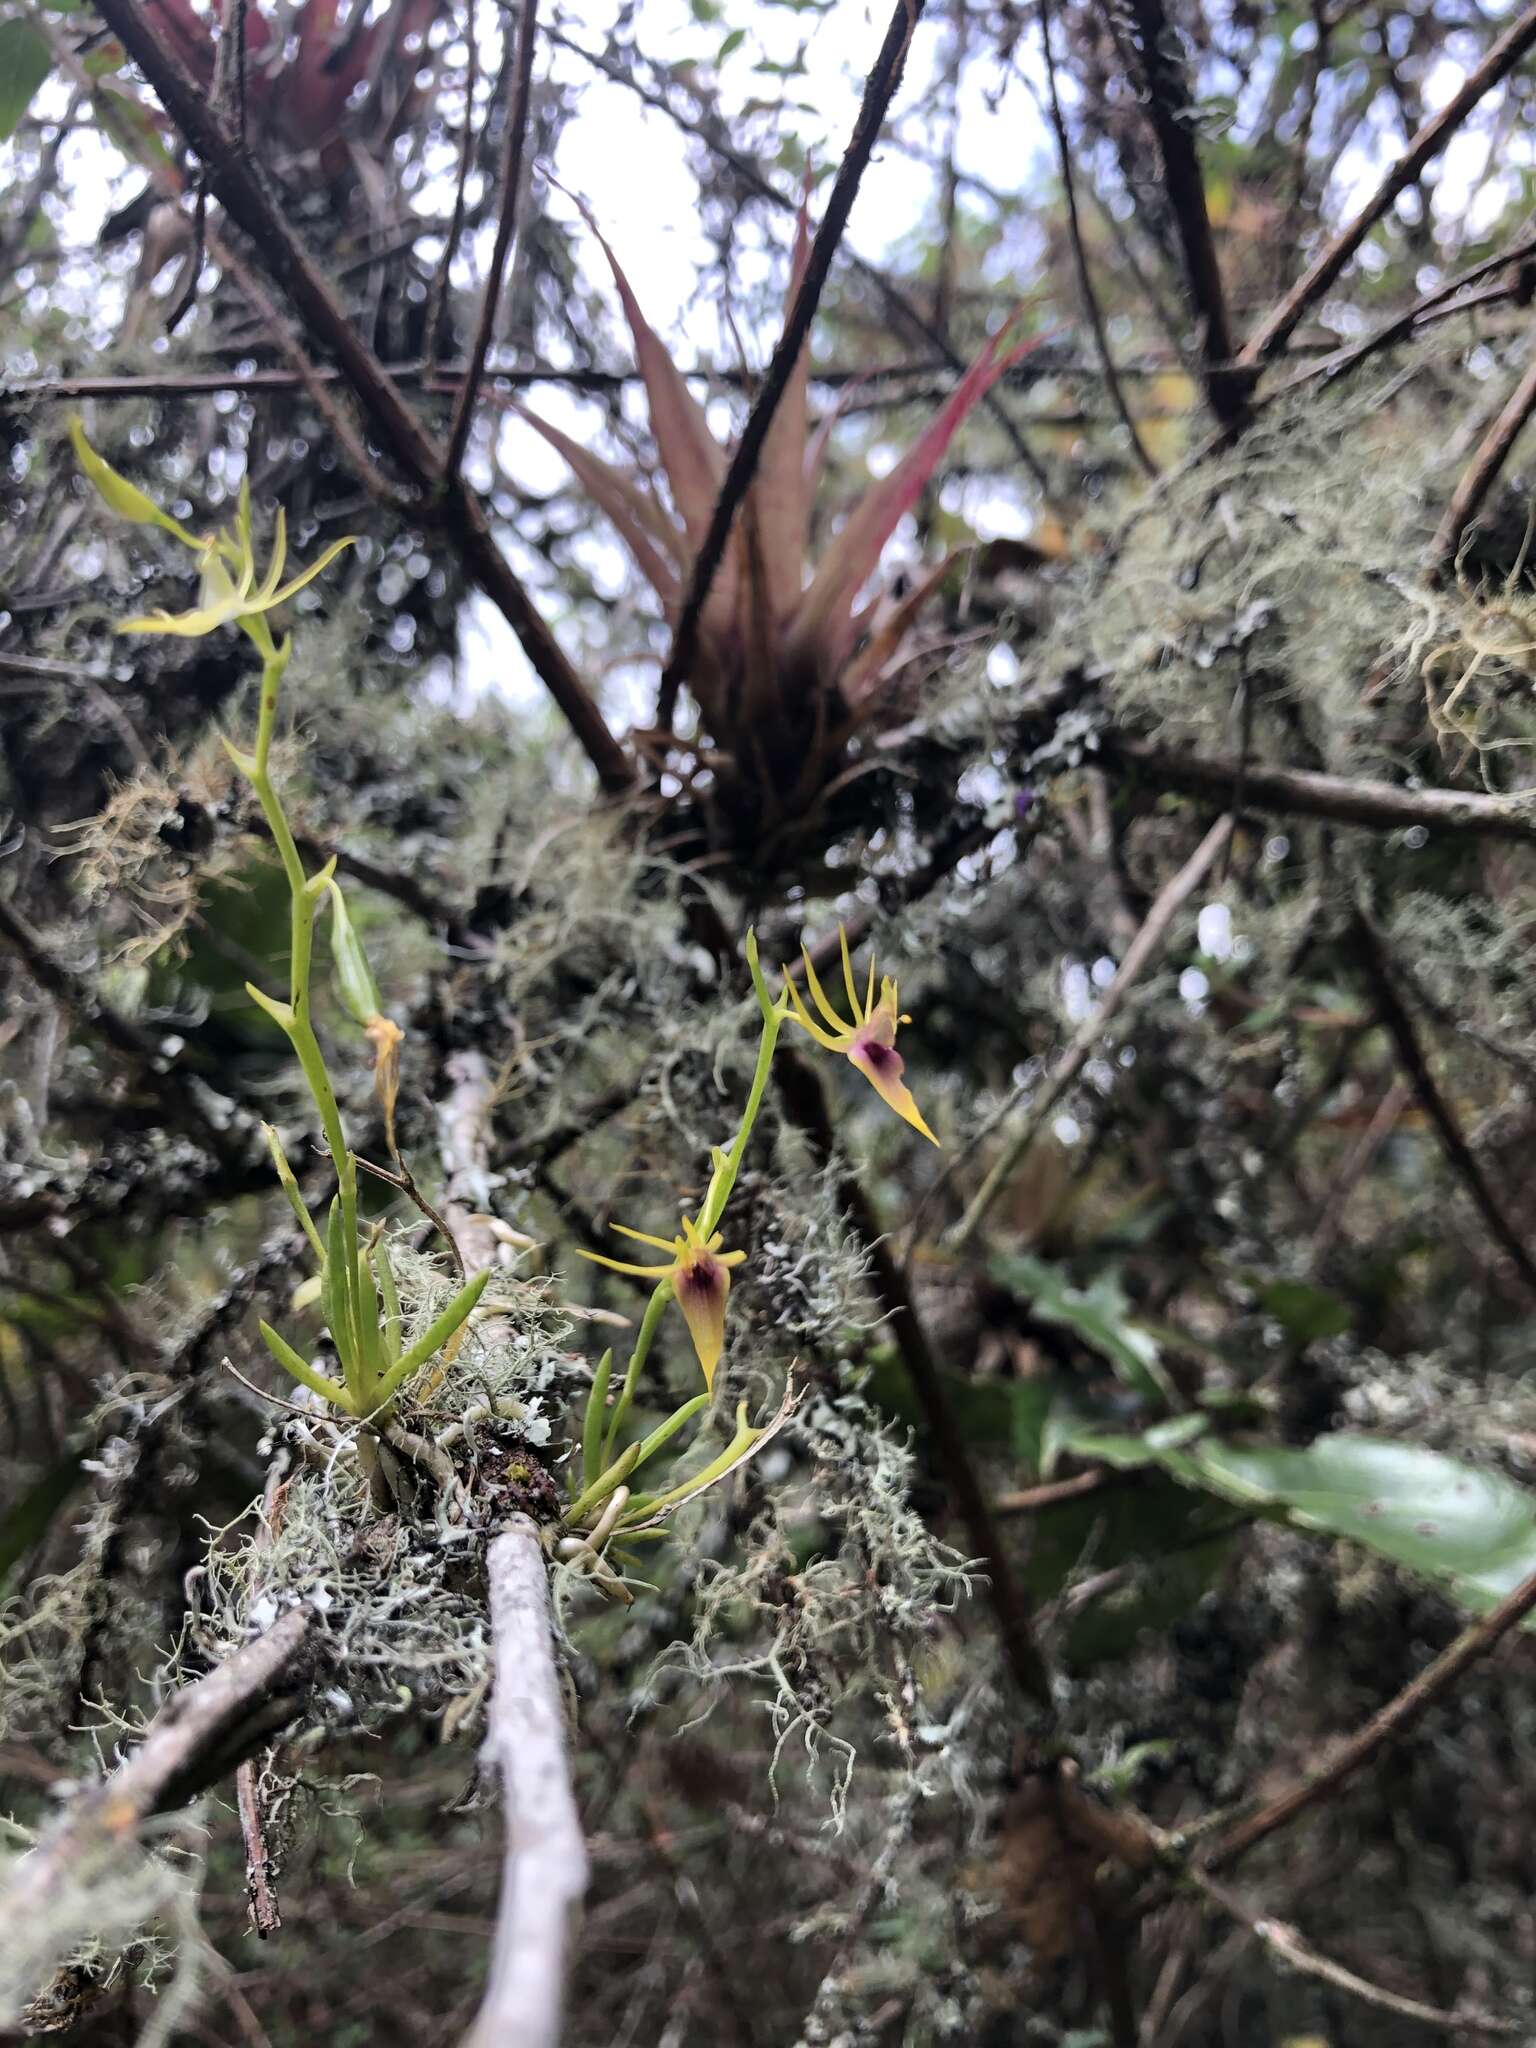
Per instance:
(863,675)
(822,629)
(690,454)
(643,527)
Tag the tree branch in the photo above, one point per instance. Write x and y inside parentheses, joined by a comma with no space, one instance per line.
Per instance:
(1382,806)
(1482,473)
(1172,116)
(1458,1152)
(1276,330)
(201,1733)
(544,1867)
(1393,1721)
(1085,289)
(1142,950)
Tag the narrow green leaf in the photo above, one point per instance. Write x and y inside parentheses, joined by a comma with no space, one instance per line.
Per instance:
(592,1421)
(303,1372)
(433,1340)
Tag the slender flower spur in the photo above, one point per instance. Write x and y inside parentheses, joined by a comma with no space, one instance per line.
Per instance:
(700,1277)
(869,1042)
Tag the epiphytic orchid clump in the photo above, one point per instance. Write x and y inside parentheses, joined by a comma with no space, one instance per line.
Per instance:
(788,661)
(355,1282)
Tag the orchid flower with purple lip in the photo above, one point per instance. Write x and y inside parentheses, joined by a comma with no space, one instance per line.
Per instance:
(869,1042)
(699,1274)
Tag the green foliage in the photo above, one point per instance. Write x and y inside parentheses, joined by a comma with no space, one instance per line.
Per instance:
(25,61)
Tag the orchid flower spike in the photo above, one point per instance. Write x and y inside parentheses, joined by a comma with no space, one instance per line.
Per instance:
(700,1274)
(869,1042)
(233,590)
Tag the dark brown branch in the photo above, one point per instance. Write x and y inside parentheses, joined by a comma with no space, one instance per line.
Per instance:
(879,89)
(1444,302)
(1276,330)
(1305,792)
(1393,1721)
(1172,116)
(510,181)
(246,199)
(437,305)
(1481,474)
(1415,1065)
(1085,288)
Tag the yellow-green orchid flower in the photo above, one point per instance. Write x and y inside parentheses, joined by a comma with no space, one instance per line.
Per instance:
(869,1042)
(231,592)
(700,1274)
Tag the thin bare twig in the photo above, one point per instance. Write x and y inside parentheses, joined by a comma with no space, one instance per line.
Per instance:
(879,89)
(437,313)
(1393,1721)
(1142,950)
(1034,1500)
(1458,1152)
(544,1868)
(510,183)
(1085,288)
(1273,333)
(1444,301)
(752,178)
(1282,1940)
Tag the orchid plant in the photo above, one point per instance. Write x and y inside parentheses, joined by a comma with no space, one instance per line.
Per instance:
(356,1286)
(355,1283)
(785,651)
(697,1276)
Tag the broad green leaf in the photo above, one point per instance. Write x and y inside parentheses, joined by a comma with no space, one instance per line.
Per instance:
(1473,1530)
(1100,1315)
(25,61)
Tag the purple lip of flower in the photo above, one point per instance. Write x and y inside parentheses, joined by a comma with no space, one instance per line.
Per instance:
(1024,802)
(700,1275)
(885,1059)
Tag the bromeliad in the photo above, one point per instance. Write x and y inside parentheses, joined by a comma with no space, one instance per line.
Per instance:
(699,1275)
(781,638)
(869,1042)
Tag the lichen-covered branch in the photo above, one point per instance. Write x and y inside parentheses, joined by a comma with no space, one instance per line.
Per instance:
(544,1866)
